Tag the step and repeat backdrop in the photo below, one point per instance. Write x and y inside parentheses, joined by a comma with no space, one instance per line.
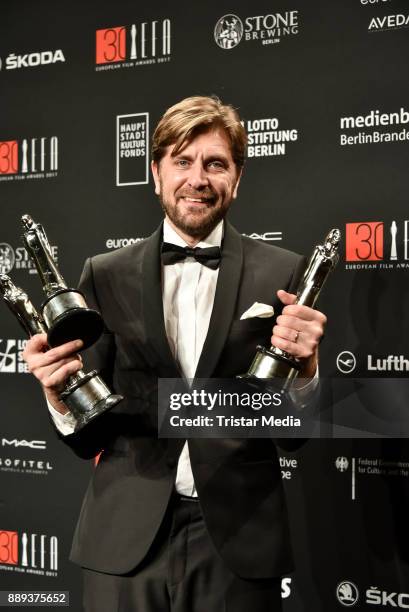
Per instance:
(323,92)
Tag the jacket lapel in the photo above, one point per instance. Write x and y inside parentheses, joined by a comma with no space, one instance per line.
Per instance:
(153,306)
(224,302)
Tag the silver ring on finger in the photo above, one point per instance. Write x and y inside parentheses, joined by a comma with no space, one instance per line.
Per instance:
(297,333)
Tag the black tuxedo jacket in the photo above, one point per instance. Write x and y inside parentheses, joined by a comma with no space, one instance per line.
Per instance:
(238,480)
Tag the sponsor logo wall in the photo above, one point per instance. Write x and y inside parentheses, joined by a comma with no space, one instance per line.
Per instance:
(322,90)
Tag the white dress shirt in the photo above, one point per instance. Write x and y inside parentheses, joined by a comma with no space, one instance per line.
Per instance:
(188,290)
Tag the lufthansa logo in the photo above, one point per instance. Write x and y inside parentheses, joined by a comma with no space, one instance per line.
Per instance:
(346,362)
(228,31)
(347,593)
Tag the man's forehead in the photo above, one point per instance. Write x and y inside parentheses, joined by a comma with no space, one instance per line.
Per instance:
(214,140)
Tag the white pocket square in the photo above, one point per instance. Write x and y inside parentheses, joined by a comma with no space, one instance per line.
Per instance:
(258,310)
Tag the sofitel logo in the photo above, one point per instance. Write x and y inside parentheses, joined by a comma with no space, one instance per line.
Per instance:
(29,553)
(367,243)
(29,158)
(148,42)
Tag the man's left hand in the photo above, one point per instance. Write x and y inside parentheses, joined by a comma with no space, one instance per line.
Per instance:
(298,331)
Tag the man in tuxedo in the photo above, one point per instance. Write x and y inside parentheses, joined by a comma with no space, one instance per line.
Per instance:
(197,525)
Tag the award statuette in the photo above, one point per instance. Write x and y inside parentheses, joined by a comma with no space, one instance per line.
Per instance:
(273,362)
(86,395)
(64,311)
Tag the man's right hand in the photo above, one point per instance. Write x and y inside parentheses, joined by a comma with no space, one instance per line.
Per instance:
(52,367)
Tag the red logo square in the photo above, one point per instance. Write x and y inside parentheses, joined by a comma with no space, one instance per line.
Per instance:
(364,241)
(111,45)
(9,547)
(9,157)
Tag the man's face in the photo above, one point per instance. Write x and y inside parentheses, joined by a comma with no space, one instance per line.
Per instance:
(197,185)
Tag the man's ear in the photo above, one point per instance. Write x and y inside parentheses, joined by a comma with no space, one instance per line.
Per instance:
(155,174)
(236,187)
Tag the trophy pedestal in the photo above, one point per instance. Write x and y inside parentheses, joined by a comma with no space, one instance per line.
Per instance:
(87,396)
(272,364)
(68,317)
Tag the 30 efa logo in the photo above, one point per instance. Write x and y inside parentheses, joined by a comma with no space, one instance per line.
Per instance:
(30,553)
(377,244)
(29,158)
(132,45)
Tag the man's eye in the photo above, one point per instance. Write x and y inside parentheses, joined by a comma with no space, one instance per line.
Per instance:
(182,163)
(216,164)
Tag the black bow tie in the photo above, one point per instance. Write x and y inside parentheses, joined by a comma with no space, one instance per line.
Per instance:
(172,253)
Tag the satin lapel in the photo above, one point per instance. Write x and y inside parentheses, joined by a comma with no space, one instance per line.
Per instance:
(153,305)
(224,302)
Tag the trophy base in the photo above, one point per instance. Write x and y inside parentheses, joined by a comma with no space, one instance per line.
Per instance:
(68,318)
(88,397)
(272,368)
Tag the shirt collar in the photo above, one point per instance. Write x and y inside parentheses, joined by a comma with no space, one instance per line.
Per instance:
(213,239)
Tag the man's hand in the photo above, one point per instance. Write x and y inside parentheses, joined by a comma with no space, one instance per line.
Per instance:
(298,331)
(53,366)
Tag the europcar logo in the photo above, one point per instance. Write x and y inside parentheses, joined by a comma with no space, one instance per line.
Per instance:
(377,245)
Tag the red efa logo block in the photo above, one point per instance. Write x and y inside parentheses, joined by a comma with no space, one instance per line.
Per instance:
(9,157)
(9,547)
(111,45)
(364,241)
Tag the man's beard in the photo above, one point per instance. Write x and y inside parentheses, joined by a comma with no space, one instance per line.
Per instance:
(200,222)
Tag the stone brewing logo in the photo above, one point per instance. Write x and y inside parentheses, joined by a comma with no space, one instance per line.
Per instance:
(267,29)
(7,258)
(347,593)
(29,158)
(133,45)
(228,31)
(377,245)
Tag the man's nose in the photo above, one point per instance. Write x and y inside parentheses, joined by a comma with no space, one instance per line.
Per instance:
(198,178)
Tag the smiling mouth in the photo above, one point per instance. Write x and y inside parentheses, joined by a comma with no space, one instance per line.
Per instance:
(202,200)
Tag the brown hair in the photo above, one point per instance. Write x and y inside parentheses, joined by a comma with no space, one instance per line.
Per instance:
(194,115)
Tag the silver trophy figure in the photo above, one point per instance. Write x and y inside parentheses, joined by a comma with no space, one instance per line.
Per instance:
(64,311)
(86,395)
(273,362)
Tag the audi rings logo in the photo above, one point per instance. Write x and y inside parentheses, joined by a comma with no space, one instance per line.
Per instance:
(7,258)
(346,362)
(228,31)
(347,593)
